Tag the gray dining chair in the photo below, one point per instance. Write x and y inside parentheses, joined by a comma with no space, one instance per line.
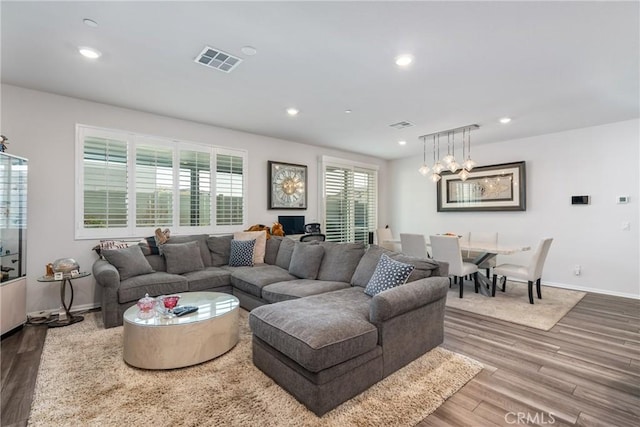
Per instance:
(531,273)
(447,249)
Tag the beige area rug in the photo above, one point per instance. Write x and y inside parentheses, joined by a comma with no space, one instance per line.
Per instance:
(83,381)
(513,305)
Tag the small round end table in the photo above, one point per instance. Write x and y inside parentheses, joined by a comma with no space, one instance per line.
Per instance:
(67,278)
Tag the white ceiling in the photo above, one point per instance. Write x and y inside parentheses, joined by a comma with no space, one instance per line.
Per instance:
(552,66)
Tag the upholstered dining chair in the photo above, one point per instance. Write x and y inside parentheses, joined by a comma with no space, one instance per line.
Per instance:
(531,273)
(447,249)
(414,245)
(384,237)
(484,238)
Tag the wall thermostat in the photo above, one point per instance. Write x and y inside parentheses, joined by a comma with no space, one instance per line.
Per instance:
(623,199)
(580,200)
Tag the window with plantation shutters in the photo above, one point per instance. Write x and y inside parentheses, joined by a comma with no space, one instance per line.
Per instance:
(129,185)
(105,183)
(229,190)
(154,186)
(350,200)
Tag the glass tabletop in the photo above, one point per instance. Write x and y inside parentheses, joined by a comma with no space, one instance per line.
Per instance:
(64,276)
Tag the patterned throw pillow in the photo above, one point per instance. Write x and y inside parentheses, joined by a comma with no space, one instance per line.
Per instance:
(388,274)
(241,253)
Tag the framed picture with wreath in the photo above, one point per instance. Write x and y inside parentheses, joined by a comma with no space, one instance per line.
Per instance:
(287,186)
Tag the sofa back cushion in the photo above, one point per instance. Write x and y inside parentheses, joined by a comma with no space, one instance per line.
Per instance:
(271,249)
(306,260)
(219,248)
(201,239)
(157,262)
(284,253)
(367,265)
(183,257)
(340,261)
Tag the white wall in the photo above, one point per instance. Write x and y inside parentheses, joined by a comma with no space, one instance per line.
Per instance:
(41,127)
(598,161)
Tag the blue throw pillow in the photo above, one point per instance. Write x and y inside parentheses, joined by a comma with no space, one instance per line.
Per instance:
(388,274)
(241,254)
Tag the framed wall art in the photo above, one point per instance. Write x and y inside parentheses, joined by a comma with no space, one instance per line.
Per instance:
(488,188)
(287,186)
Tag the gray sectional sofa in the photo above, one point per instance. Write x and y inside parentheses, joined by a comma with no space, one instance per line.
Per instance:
(315,331)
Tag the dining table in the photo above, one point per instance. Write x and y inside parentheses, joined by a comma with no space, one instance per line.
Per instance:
(486,252)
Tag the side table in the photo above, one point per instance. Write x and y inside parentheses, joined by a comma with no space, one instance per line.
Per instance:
(71,319)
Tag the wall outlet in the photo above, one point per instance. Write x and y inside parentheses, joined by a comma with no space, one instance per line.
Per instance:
(577,270)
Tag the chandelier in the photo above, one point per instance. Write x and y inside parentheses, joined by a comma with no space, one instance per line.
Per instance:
(449,161)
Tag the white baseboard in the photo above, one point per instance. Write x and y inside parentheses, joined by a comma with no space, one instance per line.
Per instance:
(52,311)
(583,289)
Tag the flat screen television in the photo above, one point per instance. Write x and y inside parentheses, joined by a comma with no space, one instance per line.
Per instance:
(292,224)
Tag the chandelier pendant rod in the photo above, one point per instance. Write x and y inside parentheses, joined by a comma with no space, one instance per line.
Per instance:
(454,130)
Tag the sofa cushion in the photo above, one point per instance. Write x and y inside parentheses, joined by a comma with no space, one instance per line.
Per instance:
(241,254)
(202,244)
(220,248)
(284,253)
(130,261)
(283,291)
(319,331)
(388,274)
(211,277)
(252,279)
(340,261)
(367,265)
(183,257)
(261,241)
(271,249)
(306,260)
(154,284)
(157,262)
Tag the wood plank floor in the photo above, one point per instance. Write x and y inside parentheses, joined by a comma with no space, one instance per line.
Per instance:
(585,371)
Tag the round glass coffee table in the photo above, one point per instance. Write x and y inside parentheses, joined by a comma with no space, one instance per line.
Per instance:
(168,343)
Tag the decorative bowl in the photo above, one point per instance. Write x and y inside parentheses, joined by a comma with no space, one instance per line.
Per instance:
(65,265)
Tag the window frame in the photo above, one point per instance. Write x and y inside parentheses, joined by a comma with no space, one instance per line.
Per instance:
(133,140)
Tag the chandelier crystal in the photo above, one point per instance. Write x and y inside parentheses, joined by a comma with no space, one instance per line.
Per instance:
(449,162)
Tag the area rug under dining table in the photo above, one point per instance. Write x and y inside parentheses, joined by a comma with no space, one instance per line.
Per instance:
(83,380)
(513,305)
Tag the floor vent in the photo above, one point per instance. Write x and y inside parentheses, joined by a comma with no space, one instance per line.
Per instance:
(401,125)
(215,58)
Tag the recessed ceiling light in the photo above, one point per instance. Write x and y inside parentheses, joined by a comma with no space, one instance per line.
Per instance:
(402,142)
(249,50)
(505,120)
(347,111)
(90,23)
(404,60)
(89,52)
(292,111)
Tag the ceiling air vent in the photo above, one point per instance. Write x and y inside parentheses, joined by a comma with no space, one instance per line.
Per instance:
(215,58)
(401,125)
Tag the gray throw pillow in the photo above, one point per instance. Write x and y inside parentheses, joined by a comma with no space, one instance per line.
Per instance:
(306,260)
(271,250)
(220,248)
(388,274)
(130,261)
(242,253)
(340,261)
(367,265)
(183,257)
(283,259)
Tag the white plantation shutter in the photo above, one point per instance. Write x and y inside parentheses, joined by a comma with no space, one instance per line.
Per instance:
(130,184)
(154,186)
(350,200)
(195,188)
(105,183)
(230,188)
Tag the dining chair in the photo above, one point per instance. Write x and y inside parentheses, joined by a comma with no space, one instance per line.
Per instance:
(414,245)
(447,249)
(531,273)
(483,238)
(384,238)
